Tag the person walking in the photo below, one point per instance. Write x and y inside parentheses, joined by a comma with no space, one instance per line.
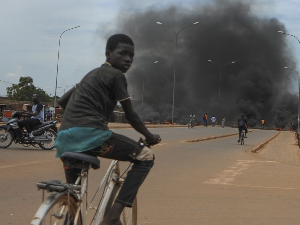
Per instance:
(204,121)
(213,121)
(206,118)
(262,124)
(49,115)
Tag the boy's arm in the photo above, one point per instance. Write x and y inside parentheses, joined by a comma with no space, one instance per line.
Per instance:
(63,101)
(133,118)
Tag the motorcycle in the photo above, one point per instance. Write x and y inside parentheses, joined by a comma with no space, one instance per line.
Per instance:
(44,134)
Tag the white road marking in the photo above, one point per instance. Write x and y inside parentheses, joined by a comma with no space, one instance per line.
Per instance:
(227,177)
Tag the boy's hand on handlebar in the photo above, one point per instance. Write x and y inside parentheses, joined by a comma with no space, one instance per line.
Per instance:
(153,141)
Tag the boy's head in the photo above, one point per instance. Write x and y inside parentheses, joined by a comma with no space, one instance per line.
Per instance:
(115,39)
(120,52)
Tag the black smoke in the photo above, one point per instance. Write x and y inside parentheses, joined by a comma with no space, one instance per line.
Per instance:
(256,85)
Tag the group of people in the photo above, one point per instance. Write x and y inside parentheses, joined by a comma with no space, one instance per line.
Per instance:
(205,120)
(213,120)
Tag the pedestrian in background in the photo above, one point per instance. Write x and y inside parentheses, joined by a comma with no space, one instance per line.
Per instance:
(213,121)
(49,115)
(206,117)
(223,122)
(262,124)
(204,121)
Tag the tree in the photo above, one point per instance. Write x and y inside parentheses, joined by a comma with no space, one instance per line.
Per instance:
(24,91)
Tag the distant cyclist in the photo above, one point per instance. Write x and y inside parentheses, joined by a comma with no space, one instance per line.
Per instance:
(242,125)
(192,119)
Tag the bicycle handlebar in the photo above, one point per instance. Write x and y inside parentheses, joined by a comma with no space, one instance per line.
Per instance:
(149,144)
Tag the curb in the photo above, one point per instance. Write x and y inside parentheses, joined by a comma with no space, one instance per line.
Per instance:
(212,137)
(260,146)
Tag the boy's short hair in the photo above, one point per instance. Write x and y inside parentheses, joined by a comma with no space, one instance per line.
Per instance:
(115,39)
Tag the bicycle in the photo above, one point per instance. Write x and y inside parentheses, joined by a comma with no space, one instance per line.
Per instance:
(242,139)
(191,124)
(68,204)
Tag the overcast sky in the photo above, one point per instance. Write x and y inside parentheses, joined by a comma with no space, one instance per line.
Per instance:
(30,32)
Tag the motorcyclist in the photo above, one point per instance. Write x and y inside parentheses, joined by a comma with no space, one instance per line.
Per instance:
(242,125)
(36,117)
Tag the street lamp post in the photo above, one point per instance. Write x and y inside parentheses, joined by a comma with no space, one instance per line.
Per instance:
(297,74)
(54,114)
(176,35)
(220,73)
(298,95)
(144,81)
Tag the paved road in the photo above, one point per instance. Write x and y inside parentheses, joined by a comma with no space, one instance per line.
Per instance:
(206,182)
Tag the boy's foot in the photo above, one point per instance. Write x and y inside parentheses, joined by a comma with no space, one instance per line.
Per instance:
(245,137)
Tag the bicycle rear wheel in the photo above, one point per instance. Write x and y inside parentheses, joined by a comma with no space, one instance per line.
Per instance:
(242,137)
(129,215)
(57,209)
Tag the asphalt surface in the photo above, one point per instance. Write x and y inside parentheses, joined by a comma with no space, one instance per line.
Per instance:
(201,176)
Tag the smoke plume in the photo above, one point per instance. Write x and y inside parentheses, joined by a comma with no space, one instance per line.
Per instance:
(256,85)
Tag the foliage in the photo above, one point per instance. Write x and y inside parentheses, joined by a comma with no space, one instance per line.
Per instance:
(24,91)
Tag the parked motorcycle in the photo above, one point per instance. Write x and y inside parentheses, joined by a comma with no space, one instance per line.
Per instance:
(44,134)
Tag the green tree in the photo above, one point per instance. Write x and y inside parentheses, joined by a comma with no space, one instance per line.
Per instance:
(24,91)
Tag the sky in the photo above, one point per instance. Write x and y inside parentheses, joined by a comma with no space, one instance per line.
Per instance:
(30,33)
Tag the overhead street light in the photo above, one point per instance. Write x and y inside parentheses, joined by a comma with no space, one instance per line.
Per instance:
(144,82)
(297,74)
(298,95)
(220,67)
(57,68)
(176,36)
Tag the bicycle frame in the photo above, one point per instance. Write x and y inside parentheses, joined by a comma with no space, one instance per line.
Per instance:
(114,172)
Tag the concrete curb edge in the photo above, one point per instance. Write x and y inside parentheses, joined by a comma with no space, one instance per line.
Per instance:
(260,146)
(212,137)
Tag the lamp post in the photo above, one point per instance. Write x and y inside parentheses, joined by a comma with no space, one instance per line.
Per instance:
(176,35)
(54,115)
(297,75)
(144,81)
(298,94)
(220,73)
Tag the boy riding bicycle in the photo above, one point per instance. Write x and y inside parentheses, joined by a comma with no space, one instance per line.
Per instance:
(88,107)
(242,125)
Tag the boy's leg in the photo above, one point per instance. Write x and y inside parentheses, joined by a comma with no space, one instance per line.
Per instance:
(123,148)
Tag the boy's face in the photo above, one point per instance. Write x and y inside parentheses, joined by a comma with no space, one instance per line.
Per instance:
(121,57)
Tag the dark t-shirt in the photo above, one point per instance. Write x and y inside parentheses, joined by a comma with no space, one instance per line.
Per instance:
(95,98)
(242,122)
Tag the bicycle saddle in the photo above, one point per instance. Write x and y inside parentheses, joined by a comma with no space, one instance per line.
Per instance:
(78,159)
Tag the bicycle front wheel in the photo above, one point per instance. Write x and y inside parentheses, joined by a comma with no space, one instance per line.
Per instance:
(57,209)
(129,214)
